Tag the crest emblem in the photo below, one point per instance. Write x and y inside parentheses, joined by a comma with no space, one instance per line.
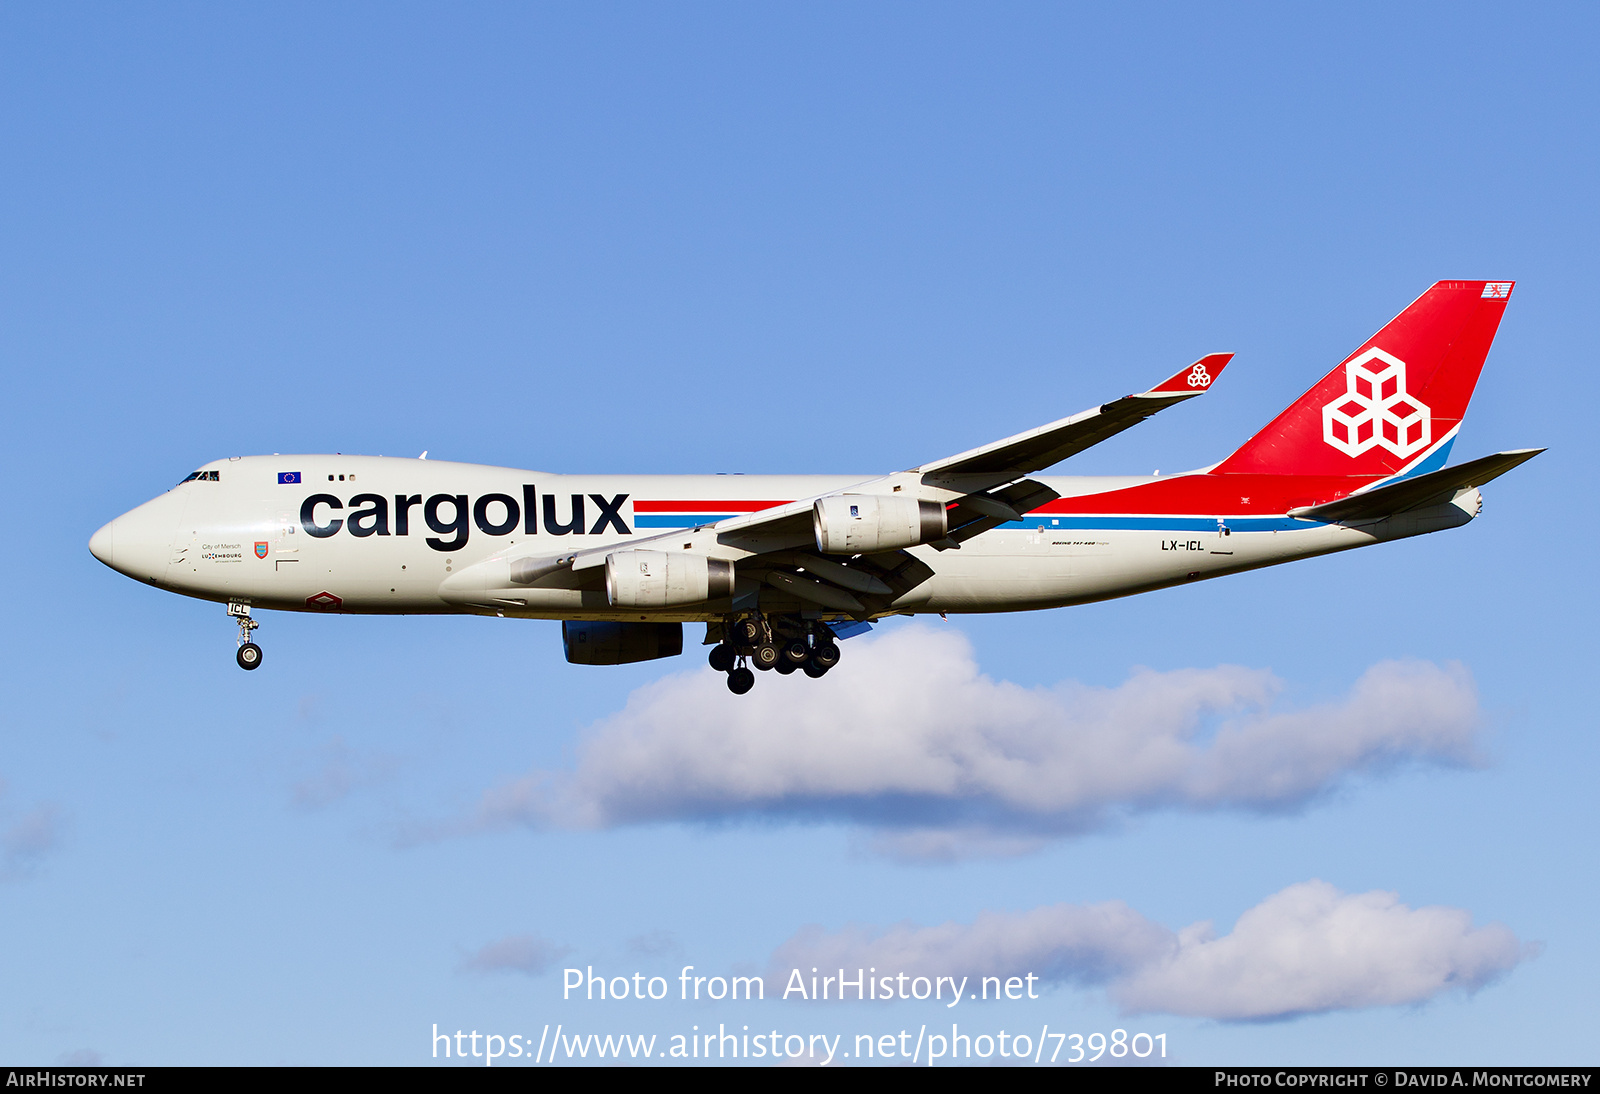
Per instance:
(1375,410)
(261,550)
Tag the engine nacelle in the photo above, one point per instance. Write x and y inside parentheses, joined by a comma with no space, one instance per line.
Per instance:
(664,579)
(591,643)
(850,524)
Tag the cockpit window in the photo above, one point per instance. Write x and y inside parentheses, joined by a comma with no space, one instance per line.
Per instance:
(202,476)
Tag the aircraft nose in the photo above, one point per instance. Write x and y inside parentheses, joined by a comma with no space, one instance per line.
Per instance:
(139,542)
(100,544)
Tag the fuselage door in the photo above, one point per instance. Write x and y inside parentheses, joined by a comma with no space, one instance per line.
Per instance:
(286,542)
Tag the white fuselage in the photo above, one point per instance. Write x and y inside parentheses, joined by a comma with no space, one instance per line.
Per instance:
(245,536)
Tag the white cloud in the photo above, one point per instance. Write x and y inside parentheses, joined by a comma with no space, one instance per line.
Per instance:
(524,953)
(1307,949)
(29,838)
(342,771)
(1062,943)
(908,737)
(1312,948)
(657,943)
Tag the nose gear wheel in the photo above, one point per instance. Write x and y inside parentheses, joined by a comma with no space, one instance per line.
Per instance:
(249,655)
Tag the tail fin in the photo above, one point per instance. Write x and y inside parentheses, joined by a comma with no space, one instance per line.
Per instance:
(1393,406)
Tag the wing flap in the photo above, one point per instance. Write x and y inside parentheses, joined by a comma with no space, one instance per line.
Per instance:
(816,592)
(994,509)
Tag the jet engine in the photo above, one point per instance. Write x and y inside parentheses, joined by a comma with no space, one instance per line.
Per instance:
(592,643)
(663,579)
(849,524)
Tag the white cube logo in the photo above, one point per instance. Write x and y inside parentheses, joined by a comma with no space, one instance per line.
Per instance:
(1375,410)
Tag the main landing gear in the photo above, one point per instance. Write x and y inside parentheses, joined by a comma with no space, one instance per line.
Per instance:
(782,644)
(249,655)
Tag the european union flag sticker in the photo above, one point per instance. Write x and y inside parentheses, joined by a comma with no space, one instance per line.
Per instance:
(288,477)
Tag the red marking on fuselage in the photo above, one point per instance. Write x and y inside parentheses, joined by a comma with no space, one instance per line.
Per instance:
(704,506)
(1209,495)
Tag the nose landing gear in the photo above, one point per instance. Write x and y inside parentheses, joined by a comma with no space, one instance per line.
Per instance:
(249,655)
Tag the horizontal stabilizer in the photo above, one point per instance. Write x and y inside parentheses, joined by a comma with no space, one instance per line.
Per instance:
(1416,492)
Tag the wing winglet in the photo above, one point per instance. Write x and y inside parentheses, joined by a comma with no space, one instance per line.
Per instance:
(1196,378)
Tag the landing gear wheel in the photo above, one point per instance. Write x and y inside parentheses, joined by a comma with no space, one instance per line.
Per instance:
(796,653)
(826,655)
(815,670)
(746,632)
(741,681)
(765,655)
(722,658)
(249,655)
(784,666)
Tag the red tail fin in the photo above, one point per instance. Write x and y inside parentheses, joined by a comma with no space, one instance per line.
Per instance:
(1392,402)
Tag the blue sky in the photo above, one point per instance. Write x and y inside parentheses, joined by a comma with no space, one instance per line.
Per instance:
(769,238)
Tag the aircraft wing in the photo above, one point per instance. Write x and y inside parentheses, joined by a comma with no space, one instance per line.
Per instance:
(1414,493)
(1004,461)
(1039,448)
(981,489)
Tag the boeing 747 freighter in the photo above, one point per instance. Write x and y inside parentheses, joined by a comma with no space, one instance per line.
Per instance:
(781,567)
